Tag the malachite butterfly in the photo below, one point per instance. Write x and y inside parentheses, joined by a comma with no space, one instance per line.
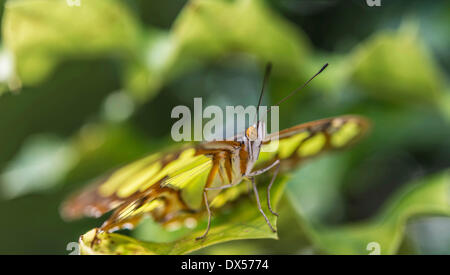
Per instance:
(179,185)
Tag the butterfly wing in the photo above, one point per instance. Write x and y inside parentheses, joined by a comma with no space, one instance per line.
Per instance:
(156,184)
(307,140)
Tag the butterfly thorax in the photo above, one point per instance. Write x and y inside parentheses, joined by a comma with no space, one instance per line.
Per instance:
(252,141)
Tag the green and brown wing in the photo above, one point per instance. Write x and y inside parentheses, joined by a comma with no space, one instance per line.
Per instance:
(158,184)
(307,140)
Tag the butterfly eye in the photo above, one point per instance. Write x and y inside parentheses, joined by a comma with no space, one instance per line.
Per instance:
(251,133)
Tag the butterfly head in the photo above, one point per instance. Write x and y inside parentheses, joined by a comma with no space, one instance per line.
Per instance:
(251,133)
(254,136)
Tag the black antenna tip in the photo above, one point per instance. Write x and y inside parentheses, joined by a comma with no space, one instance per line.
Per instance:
(306,83)
(323,68)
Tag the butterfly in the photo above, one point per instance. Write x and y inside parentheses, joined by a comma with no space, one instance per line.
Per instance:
(177,185)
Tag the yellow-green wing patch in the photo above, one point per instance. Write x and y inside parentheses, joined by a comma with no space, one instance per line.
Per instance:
(310,139)
(171,170)
(136,171)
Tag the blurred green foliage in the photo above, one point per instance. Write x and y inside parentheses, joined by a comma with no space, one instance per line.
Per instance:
(91,87)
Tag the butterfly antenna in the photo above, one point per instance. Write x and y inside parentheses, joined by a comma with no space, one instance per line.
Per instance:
(266,77)
(301,87)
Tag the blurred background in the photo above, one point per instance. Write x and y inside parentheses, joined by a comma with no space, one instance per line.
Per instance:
(86,88)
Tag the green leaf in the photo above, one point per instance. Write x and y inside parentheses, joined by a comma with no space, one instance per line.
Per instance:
(208,29)
(43,33)
(428,196)
(239,220)
(397,66)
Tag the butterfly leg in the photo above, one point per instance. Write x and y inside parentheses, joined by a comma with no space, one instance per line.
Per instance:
(209,217)
(265,169)
(221,187)
(269,187)
(255,190)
